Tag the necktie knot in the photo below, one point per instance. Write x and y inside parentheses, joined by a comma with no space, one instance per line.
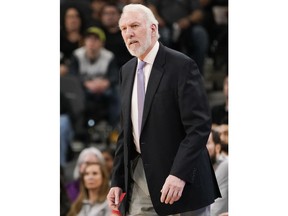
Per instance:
(141,65)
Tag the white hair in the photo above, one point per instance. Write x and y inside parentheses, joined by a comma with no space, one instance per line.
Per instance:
(145,11)
(87,151)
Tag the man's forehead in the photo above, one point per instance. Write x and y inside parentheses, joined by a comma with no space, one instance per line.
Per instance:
(131,17)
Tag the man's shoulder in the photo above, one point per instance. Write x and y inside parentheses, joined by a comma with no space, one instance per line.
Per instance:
(172,53)
(129,63)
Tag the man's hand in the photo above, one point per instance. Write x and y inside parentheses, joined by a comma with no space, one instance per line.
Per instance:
(113,197)
(172,189)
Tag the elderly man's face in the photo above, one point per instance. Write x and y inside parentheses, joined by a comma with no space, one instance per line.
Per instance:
(137,36)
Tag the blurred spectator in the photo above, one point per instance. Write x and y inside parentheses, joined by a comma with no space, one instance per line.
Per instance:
(63,65)
(108,155)
(97,70)
(87,155)
(218,31)
(110,16)
(220,112)
(214,149)
(66,129)
(96,7)
(180,26)
(208,19)
(219,158)
(71,88)
(223,130)
(64,200)
(72,26)
(94,187)
(71,116)
(216,16)
(221,204)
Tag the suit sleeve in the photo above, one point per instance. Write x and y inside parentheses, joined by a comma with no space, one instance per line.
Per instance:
(196,120)
(118,169)
(118,175)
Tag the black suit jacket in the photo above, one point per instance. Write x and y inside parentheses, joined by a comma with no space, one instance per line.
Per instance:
(175,128)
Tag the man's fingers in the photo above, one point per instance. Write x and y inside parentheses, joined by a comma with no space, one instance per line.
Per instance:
(113,197)
(176,196)
(169,196)
(110,198)
(180,193)
(164,193)
(172,190)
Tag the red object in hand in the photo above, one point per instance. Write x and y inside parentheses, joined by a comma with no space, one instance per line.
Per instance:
(117,212)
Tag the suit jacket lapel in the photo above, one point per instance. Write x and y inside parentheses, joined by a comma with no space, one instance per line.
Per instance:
(153,83)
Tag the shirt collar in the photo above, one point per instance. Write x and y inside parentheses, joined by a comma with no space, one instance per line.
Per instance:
(152,54)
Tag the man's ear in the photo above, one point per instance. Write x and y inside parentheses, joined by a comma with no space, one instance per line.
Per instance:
(154,29)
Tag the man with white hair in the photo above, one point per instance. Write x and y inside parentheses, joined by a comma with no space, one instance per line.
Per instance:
(161,160)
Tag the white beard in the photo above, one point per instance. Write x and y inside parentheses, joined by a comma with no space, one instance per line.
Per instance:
(142,49)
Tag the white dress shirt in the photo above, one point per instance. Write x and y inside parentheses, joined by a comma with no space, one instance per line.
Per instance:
(149,59)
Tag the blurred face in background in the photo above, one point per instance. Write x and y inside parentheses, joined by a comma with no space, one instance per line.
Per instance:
(96,6)
(93,177)
(110,16)
(223,132)
(92,45)
(72,20)
(108,161)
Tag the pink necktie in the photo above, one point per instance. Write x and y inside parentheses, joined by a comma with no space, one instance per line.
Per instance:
(140,92)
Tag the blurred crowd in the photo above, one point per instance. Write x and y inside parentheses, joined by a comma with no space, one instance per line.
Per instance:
(91,53)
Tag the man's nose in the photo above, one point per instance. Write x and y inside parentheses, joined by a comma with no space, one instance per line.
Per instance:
(129,32)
